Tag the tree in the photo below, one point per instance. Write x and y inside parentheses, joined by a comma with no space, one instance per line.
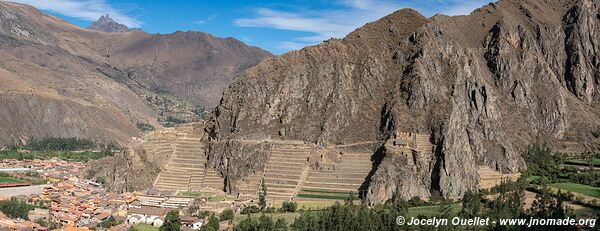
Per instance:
(350,199)
(289,206)
(213,223)
(415,201)
(265,223)
(226,215)
(247,224)
(172,222)
(15,208)
(445,209)
(545,206)
(280,225)
(471,205)
(250,209)
(262,200)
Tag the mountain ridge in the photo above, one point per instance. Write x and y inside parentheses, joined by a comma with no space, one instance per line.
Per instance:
(482,87)
(96,73)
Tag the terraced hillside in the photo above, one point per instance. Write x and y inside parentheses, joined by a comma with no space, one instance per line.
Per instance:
(286,169)
(489,178)
(186,170)
(347,177)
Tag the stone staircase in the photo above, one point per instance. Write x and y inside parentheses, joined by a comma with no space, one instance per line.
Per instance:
(285,170)
(348,176)
(489,177)
(186,170)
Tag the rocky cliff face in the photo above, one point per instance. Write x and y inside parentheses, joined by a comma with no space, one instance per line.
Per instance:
(61,80)
(483,86)
(106,24)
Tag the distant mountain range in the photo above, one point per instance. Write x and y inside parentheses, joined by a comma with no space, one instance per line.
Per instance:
(62,80)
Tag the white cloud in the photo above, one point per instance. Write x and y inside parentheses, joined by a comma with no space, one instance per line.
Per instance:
(324,24)
(291,45)
(206,20)
(463,7)
(351,14)
(83,9)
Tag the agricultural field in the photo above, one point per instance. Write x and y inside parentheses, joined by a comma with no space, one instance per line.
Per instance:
(431,211)
(10,180)
(579,188)
(144,227)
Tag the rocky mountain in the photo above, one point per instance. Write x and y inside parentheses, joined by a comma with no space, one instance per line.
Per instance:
(106,24)
(482,87)
(62,80)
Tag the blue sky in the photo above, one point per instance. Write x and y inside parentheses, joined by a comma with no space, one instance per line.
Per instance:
(276,26)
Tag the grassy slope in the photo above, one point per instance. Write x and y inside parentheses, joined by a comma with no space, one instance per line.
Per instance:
(145,227)
(579,188)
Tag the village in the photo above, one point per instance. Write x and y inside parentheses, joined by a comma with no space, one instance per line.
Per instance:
(62,199)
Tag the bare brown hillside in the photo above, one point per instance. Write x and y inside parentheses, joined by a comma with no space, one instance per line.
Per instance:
(61,80)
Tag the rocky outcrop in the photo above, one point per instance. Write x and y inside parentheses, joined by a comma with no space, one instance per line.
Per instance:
(106,24)
(236,159)
(484,86)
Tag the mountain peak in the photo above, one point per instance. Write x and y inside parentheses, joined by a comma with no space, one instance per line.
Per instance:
(106,24)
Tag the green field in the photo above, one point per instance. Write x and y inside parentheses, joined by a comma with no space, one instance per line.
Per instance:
(579,188)
(328,192)
(327,195)
(189,194)
(145,227)
(594,162)
(431,211)
(533,178)
(64,155)
(10,180)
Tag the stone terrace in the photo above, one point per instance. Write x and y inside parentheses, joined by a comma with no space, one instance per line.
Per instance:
(489,178)
(348,176)
(286,169)
(186,170)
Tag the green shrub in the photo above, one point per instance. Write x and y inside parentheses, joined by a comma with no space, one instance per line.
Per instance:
(289,207)
(270,210)
(175,120)
(596,133)
(15,208)
(204,214)
(250,209)
(226,215)
(144,127)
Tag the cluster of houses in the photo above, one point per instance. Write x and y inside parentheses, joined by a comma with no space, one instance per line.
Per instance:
(73,203)
(53,170)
